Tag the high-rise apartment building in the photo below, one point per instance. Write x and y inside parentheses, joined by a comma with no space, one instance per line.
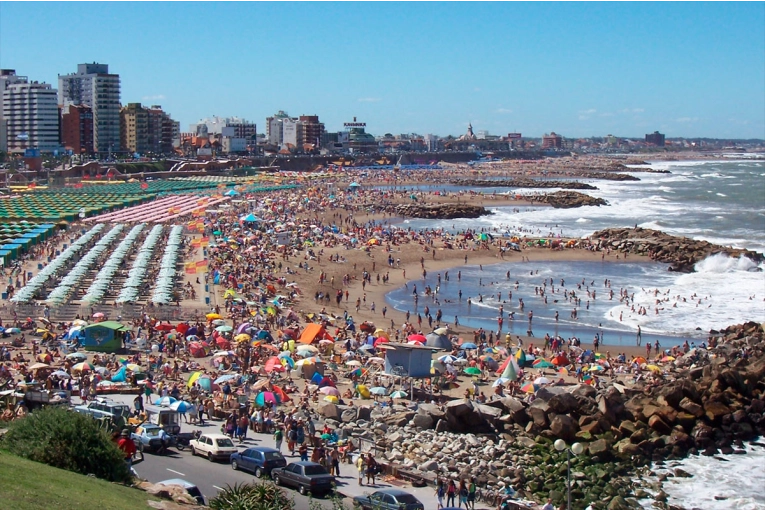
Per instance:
(275,127)
(134,128)
(310,130)
(7,77)
(77,128)
(655,138)
(30,113)
(94,86)
(552,141)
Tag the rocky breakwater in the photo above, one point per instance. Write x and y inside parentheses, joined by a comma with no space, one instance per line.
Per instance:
(441,211)
(521,183)
(566,199)
(706,402)
(681,253)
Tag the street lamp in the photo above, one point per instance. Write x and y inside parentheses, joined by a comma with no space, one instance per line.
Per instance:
(576,449)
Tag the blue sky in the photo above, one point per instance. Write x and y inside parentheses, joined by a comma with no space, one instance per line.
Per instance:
(580,69)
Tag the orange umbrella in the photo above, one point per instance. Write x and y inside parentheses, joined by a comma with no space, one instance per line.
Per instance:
(274,364)
(281,393)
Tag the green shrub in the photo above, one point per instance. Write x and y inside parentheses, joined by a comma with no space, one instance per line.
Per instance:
(252,496)
(67,440)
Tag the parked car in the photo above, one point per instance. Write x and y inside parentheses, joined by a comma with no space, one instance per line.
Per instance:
(305,477)
(192,489)
(259,460)
(148,438)
(388,499)
(103,407)
(213,446)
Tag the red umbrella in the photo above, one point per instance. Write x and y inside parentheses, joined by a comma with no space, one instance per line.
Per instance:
(182,328)
(274,364)
(164,327)
(281,394)
(419,338)
(381,340)
(561,360)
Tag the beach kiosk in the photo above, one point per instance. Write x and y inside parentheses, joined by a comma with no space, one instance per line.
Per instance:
(404,360)
(103,336)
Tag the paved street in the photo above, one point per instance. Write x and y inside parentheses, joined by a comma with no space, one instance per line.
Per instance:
(210,477)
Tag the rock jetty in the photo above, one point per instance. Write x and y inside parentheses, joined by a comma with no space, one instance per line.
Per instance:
(522,183)
(681,252)
(566,199)
(441,211)
(706,402)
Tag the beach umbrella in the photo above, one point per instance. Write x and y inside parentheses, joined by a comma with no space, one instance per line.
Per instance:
(561,360)
(38,366)
(653,368)
(274,364)
(224,378)
(192,338)
(667,358)
(447,358)
(284,354)
(417,337)
(331,398)
(378,390)
(83,367)
(224,329)
(223,353)
(133,367)
(353,363)
(242,337)
(164,401)
(309,349)
(218,322)
(640,360)
(595,368)
(181,406)
(540,363)
(288,361)
(415,342)
(510,372)
(529,388)
(62,374)
(213,316)
(473,371)
(562,371)
(383,340)
(205,382)
(441,331)
(193,379)
(329,390)
(98,315)
(164,327)
(399,394)
(381,333)
(305,361)
(541,380)
(377,360)
(13,330)
(468,345)
(500,382)
(266,396)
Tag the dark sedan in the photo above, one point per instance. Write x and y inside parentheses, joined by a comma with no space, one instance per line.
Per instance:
(259,460)
(388,499)
(305,477)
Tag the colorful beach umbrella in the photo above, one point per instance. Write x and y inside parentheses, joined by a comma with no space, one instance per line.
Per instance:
(193,379)
(473,371)
(529,388)
(399,394)
(266,396)
(330,390)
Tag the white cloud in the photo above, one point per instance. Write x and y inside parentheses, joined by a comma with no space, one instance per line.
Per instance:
(157,97)
(370,99)
(504,110)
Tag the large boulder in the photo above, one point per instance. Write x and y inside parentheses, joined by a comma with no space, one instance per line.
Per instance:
(563,426)
(691,407)
(715,410)
(659,425)
(563,403)
(423,421)
(599,447)
(330,410)
(538,416)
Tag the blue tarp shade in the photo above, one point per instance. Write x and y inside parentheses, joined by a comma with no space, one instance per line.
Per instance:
(250,218)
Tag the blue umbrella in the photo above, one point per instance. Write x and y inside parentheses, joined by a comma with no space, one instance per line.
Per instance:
(205,383)
(181,406)
(164,401)
(468,345)
(225,378)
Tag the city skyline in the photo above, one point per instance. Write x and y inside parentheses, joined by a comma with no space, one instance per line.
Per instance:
(687,70)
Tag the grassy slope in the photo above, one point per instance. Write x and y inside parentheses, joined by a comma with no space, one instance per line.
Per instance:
(27,485)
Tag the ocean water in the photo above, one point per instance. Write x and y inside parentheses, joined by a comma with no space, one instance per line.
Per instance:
(739,479)
(719,201)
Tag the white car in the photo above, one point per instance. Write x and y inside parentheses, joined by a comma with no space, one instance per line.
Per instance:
(213,446)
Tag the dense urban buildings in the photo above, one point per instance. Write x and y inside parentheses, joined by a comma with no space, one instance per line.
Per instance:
(30,114)
(94,86)
(7,77)
(147,130)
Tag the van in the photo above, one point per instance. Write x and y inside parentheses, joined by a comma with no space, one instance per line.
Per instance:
(164,417)
(102,407)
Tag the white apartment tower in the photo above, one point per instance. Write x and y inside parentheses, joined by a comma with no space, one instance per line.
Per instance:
(92,85)
(7,77)
(30,113)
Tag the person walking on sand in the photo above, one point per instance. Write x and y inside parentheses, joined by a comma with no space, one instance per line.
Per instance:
(440,492)
(639,337)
